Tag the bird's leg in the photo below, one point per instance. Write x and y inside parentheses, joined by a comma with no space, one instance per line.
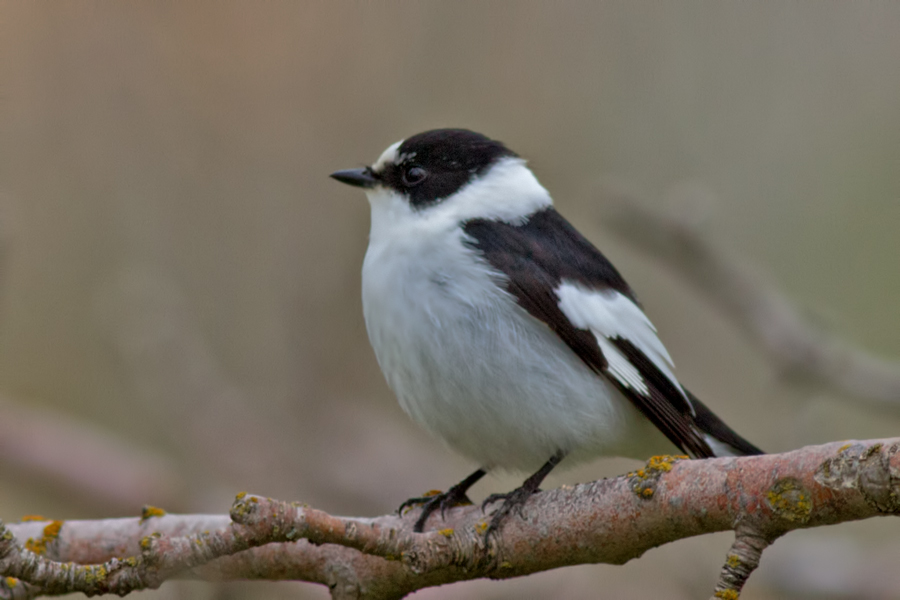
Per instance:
(455,496)
(515,499)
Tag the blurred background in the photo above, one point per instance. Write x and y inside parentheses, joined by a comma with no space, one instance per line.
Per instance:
(180,314)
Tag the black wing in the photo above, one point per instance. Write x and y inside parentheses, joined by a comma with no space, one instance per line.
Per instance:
(536,257)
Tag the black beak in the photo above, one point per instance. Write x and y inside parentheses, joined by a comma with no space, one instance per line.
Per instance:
(356,177)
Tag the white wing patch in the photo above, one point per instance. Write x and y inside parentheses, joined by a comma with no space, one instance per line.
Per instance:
(610,314)
(720,448)
(621,367)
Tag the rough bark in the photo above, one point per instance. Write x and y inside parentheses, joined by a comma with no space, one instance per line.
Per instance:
(607,521)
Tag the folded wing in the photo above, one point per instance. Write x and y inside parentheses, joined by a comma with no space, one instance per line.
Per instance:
(560,278)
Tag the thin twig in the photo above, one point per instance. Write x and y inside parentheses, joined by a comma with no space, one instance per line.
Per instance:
(741,561)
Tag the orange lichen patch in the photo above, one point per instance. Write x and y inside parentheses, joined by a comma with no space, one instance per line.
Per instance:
(790,500)
(27,518)
(11,582)
(844,447)
(664,462)
(149,512)
(656,465)
(432,493)
(643,481)
(733,561)
(240,495)
(727,595)
(481,527)
(51,532)
(446,532)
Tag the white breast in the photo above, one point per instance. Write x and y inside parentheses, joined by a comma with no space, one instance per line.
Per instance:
(470,365)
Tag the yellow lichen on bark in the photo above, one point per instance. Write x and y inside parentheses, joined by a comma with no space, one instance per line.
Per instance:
(148,512)
(51,532)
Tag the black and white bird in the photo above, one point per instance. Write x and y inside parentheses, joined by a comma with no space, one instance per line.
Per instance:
(505,332)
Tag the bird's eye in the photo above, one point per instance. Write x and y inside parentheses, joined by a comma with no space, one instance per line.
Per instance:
(414,176)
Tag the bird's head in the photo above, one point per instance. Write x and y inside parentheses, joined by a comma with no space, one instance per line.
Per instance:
(453,174)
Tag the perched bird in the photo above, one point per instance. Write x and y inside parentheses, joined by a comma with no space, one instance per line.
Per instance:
(505,332)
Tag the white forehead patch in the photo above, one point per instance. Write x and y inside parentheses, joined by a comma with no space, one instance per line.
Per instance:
(388,156)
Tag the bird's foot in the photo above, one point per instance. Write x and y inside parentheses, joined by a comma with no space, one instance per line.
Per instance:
(419,500)
(512,502)
(433,501)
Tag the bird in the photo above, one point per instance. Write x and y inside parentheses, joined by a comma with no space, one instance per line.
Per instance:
(503,331)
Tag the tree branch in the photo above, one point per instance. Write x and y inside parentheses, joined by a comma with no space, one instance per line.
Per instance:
(764,313)
(607,521)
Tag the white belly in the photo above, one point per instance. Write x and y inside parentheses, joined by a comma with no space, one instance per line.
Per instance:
(497,385)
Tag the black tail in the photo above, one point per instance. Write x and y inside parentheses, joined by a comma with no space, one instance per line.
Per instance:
(712,425)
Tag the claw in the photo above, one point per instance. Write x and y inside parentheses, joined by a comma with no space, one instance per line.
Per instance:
(449,499)
(460,501)
(513,501)
(430,502)
(494,498)
(422,500)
